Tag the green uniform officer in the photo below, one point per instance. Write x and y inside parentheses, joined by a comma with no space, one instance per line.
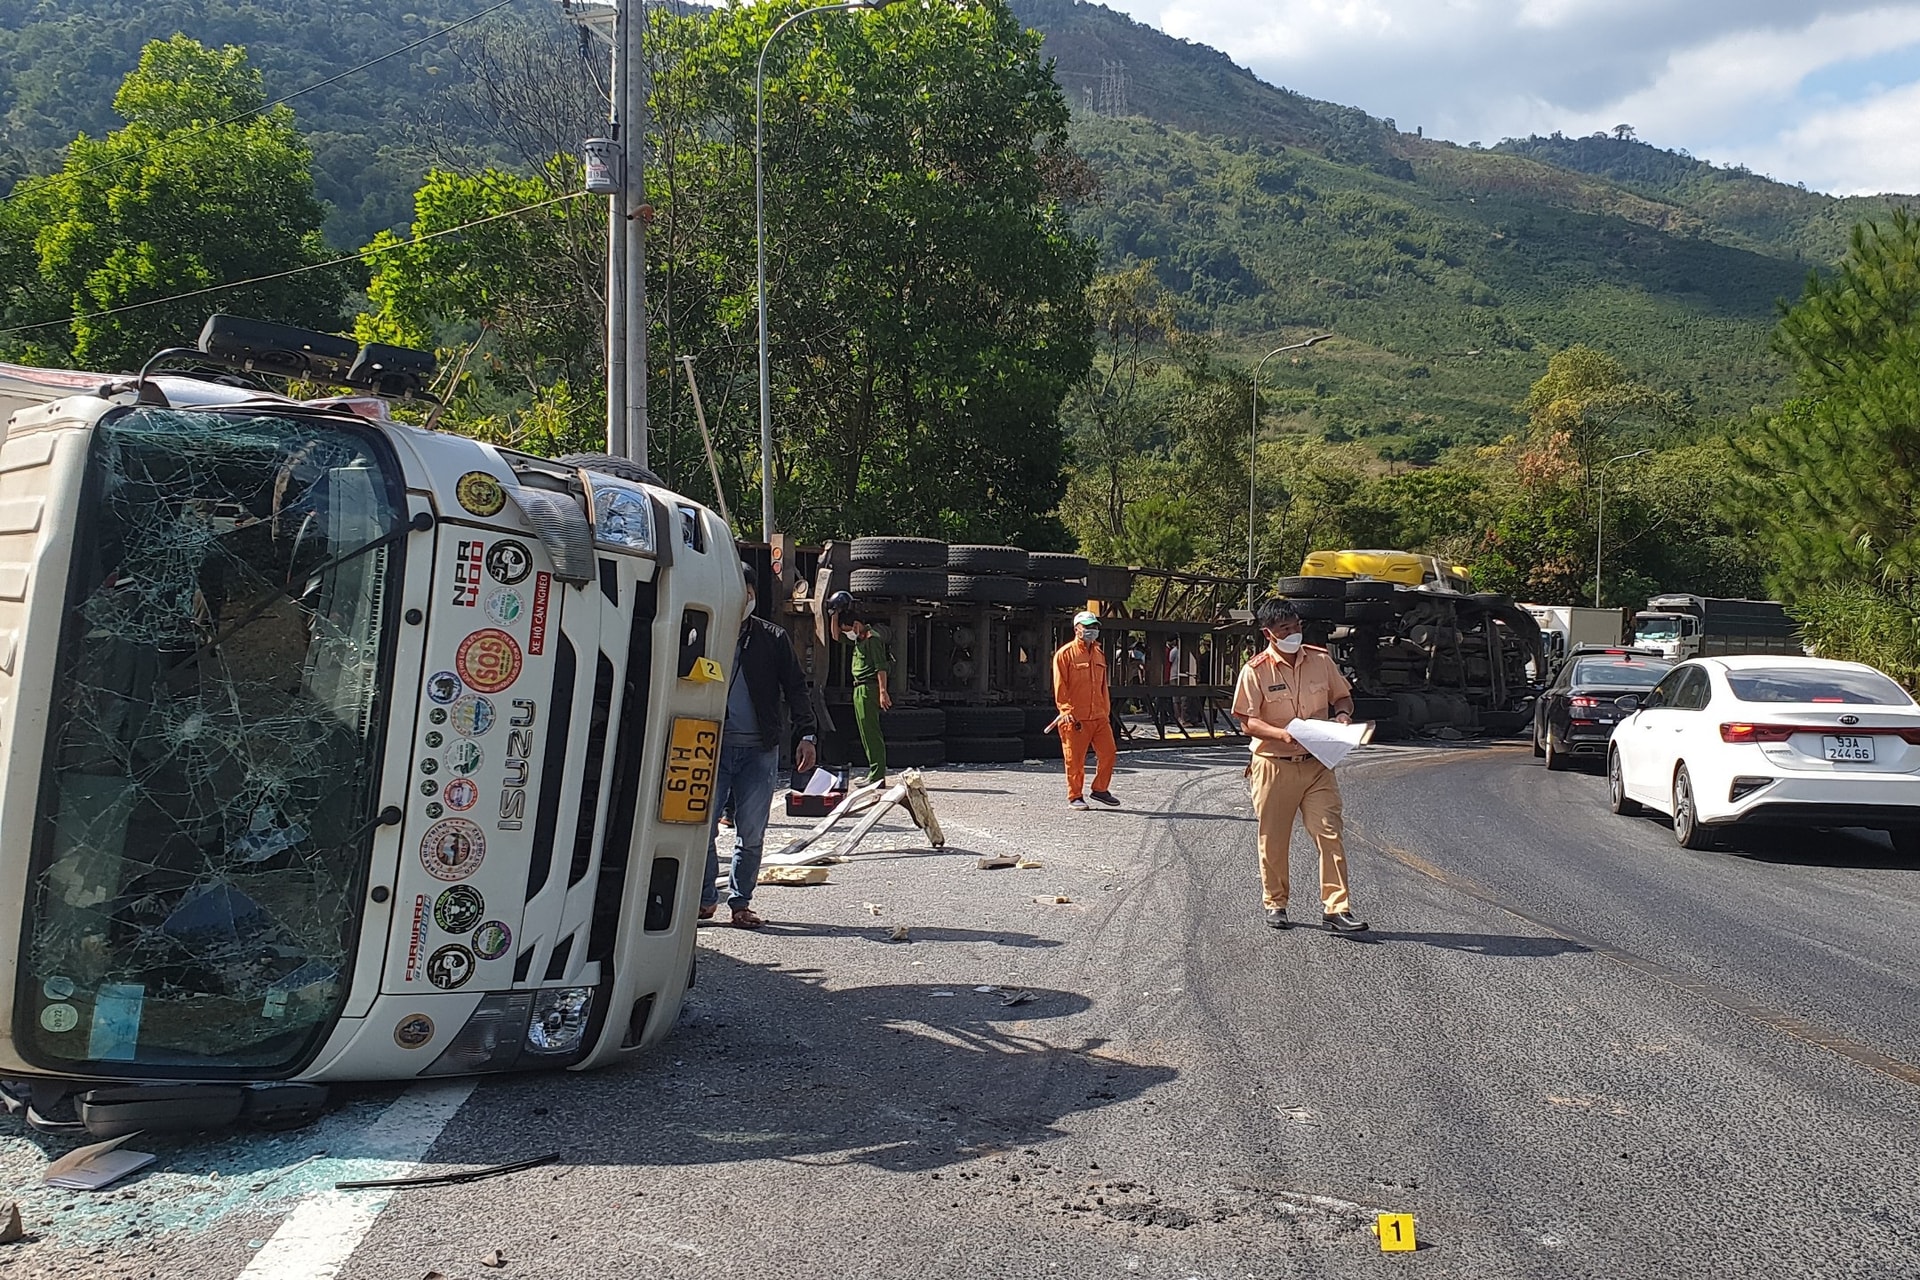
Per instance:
(871,658)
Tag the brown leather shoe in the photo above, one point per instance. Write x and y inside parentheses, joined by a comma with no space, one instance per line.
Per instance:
(744,918)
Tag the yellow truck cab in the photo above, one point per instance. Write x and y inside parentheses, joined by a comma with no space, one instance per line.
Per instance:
(332,748)
(1401,567)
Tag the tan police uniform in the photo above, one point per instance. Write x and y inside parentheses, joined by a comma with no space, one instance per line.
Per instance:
(1284,778)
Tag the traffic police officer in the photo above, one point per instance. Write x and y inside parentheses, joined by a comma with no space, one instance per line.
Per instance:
(1285,680)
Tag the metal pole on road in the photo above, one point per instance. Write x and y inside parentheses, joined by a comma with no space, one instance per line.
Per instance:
(1253,445)
(760,248)
(1600,516)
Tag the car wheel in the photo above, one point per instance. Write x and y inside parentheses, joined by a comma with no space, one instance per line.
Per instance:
(1617,798)
(1687,829)
(1556,760)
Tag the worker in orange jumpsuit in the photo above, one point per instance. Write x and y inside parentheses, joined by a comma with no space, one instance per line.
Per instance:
(1086,712)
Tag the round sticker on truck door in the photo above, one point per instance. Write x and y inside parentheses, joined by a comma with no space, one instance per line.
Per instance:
(489,660)
(480,493)
(453,849)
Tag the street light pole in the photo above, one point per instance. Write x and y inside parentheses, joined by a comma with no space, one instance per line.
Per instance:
(1253,444)
(760,248)
(1600,516)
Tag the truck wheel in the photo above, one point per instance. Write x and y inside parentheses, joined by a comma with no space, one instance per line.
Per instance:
(986,750)
(898,553)
(1311,588)
(1319,609)
(1056,564)
(906,723)
(608,465)
(912,584)
(1369,611)
(917,754)
(1057,595)
(963,558)
(1359,590)
(986,722)
(984,588)
(1617,799)
(1687,828)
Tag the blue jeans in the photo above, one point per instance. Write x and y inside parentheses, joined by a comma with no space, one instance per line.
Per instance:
(745,777)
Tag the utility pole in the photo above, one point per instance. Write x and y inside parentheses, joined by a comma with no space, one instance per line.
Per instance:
(616,168)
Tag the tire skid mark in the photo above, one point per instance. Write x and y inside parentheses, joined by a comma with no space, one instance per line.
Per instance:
(1809,1033)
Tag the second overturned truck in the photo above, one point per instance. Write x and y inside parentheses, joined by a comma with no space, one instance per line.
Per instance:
(1425,657)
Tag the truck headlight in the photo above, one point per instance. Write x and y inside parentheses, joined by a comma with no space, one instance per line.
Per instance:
(559,1019)
(622,517)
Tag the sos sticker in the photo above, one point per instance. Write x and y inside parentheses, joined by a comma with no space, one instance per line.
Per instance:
(488,660)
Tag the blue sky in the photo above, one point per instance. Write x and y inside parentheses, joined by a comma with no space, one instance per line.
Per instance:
(1821,92)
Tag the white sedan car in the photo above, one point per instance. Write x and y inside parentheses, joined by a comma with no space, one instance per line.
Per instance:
(1771,740)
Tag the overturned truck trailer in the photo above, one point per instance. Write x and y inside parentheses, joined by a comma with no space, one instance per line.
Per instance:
(1424,659)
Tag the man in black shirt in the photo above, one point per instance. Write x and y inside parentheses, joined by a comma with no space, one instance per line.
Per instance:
(765,674)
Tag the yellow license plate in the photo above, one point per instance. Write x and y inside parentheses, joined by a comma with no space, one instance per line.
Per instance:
(693,753)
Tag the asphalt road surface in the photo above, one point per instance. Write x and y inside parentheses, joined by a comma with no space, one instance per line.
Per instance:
(1568,1048)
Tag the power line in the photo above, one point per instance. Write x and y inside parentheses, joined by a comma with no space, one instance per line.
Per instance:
(294,271)
(280,101)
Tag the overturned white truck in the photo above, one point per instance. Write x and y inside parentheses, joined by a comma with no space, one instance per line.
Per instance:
(332,748)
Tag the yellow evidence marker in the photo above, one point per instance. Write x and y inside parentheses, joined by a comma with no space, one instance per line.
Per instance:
(706,671)
(1395,1231)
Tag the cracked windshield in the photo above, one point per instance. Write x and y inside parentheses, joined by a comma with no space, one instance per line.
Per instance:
(206,805)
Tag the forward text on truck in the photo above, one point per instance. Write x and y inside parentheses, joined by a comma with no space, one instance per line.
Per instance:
(332,748)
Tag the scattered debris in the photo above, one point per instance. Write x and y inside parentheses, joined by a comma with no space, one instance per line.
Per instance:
(92,1167)
(1017,997)
(792,875)
(494,1259)
(996,861)
(450,1179)
(1053,899)
(871,908)
(940,993)
(876,798)
(10,1228)
(987,988)
(899,934)
(264,1183)
(1031,864)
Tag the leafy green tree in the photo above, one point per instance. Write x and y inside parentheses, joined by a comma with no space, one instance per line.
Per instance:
(1117,407)
(1591,400)
(1832,481)
(203,186)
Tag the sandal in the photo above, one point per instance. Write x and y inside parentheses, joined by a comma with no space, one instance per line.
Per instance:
(744,918)
(707,912)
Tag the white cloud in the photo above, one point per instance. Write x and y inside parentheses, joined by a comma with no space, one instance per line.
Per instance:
(1721,78)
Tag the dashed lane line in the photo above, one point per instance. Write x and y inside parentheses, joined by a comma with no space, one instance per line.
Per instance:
(318,1238)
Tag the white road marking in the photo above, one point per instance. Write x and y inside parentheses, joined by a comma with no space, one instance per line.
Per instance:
(319,1236)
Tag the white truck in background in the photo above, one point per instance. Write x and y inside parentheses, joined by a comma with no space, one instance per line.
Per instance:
(1562,627)
(1683,626)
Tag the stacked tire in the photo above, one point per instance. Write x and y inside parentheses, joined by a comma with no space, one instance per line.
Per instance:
(898,569)
(1056,580)
(986,735)
(986,575)
(1038,743)
(913,735)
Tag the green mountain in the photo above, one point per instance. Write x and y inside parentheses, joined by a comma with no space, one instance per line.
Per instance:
(1447,273)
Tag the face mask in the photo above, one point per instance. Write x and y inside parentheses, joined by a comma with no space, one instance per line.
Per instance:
(1290,644)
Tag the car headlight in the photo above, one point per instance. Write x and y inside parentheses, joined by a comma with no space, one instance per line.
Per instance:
(559,1019)
(622,517)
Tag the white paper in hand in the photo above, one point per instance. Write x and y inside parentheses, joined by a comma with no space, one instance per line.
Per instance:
(1329,740)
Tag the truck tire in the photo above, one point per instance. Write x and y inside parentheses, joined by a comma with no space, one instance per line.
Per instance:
(1312,609)
(1311,588)
(608,465)
(898,553)
(1363,590)
(1369,708)
(986,722)
(907,723)
(906,584)
(967,558)
(1055,564)
(919,753)
(1036,719)
(1057,595)
(1040,746)
(982,588)
(1370,611)
(986,750)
